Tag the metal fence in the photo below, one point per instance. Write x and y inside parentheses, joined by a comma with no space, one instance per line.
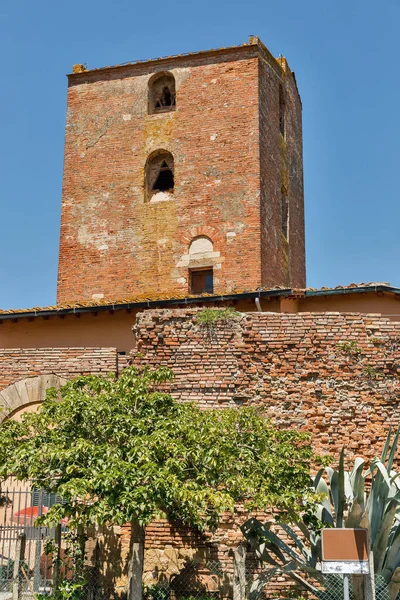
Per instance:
(22,545)
(333,588)
(34,561)
(211,581)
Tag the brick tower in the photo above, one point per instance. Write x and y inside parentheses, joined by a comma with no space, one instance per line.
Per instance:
(182,175)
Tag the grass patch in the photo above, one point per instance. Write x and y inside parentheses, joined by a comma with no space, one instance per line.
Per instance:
(212,316)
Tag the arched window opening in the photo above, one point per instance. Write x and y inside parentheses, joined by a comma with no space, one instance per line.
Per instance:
(202,278)
(160,176)
(162,93)
(281,111)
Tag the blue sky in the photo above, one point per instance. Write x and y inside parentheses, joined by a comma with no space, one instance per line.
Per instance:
(345,54)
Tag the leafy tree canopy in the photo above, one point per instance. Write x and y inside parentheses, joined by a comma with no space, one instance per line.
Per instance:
(119,450)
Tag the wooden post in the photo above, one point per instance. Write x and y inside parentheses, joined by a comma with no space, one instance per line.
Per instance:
(57,557)
(358,587)
(369,582)
(239,573)
(19,560)
(136,561)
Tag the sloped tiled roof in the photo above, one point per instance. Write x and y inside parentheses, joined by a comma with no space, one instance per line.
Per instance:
(141,301)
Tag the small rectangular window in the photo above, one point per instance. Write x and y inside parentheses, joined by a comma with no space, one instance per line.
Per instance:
(202,282)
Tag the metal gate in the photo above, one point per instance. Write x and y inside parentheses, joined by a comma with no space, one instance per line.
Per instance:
(25,567)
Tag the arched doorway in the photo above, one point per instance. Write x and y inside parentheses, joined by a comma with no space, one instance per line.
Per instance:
(26,394)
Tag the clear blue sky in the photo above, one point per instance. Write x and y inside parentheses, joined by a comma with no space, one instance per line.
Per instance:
(345,54)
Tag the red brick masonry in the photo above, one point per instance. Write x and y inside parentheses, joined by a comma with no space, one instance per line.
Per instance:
(232,166)
(16,364)
(335,375)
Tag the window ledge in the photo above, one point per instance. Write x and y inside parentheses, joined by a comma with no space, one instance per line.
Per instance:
(164,111)
(161,197)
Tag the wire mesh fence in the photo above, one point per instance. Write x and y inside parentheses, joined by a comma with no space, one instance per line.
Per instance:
(195,582)
(211,581)
(333,588)
(39,562)
(24,561)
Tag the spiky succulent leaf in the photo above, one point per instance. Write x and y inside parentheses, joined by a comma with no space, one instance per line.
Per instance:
(321,487)
(354,516)
(340,492)
(297,540)
(381,540)
(392,558)
(387,445)
(303,528)
(357,481)
(377,510)
(348,488)
(378,501)
(394,585)
(393,450)
(276,541)
(258,584)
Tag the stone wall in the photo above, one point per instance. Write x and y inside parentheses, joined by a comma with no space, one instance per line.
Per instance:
(334,375)
(189,562)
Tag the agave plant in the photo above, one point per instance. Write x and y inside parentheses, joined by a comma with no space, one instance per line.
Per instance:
(368,499)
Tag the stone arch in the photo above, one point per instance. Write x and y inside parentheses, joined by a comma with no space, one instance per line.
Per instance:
(26,392)
(203,230)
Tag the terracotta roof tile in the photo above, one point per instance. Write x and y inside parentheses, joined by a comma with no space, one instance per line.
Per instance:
(174,297)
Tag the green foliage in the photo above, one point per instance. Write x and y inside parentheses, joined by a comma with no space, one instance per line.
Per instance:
(66,590)
(209,597)
(118,450)
(349,347)
(73,583)
(7,573)
(368,499)
(373,373)
(211,316)
(158,591)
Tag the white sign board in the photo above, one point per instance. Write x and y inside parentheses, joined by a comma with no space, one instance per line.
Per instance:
(353,567)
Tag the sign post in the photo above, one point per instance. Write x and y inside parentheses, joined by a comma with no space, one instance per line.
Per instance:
(345,551)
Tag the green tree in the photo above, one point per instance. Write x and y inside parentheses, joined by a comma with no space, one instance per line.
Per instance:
(119,450)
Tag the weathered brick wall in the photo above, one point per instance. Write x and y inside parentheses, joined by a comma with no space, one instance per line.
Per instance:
(292,252)
(185,559)
(115,244)
(19,363)
(334,375)
(281,170)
